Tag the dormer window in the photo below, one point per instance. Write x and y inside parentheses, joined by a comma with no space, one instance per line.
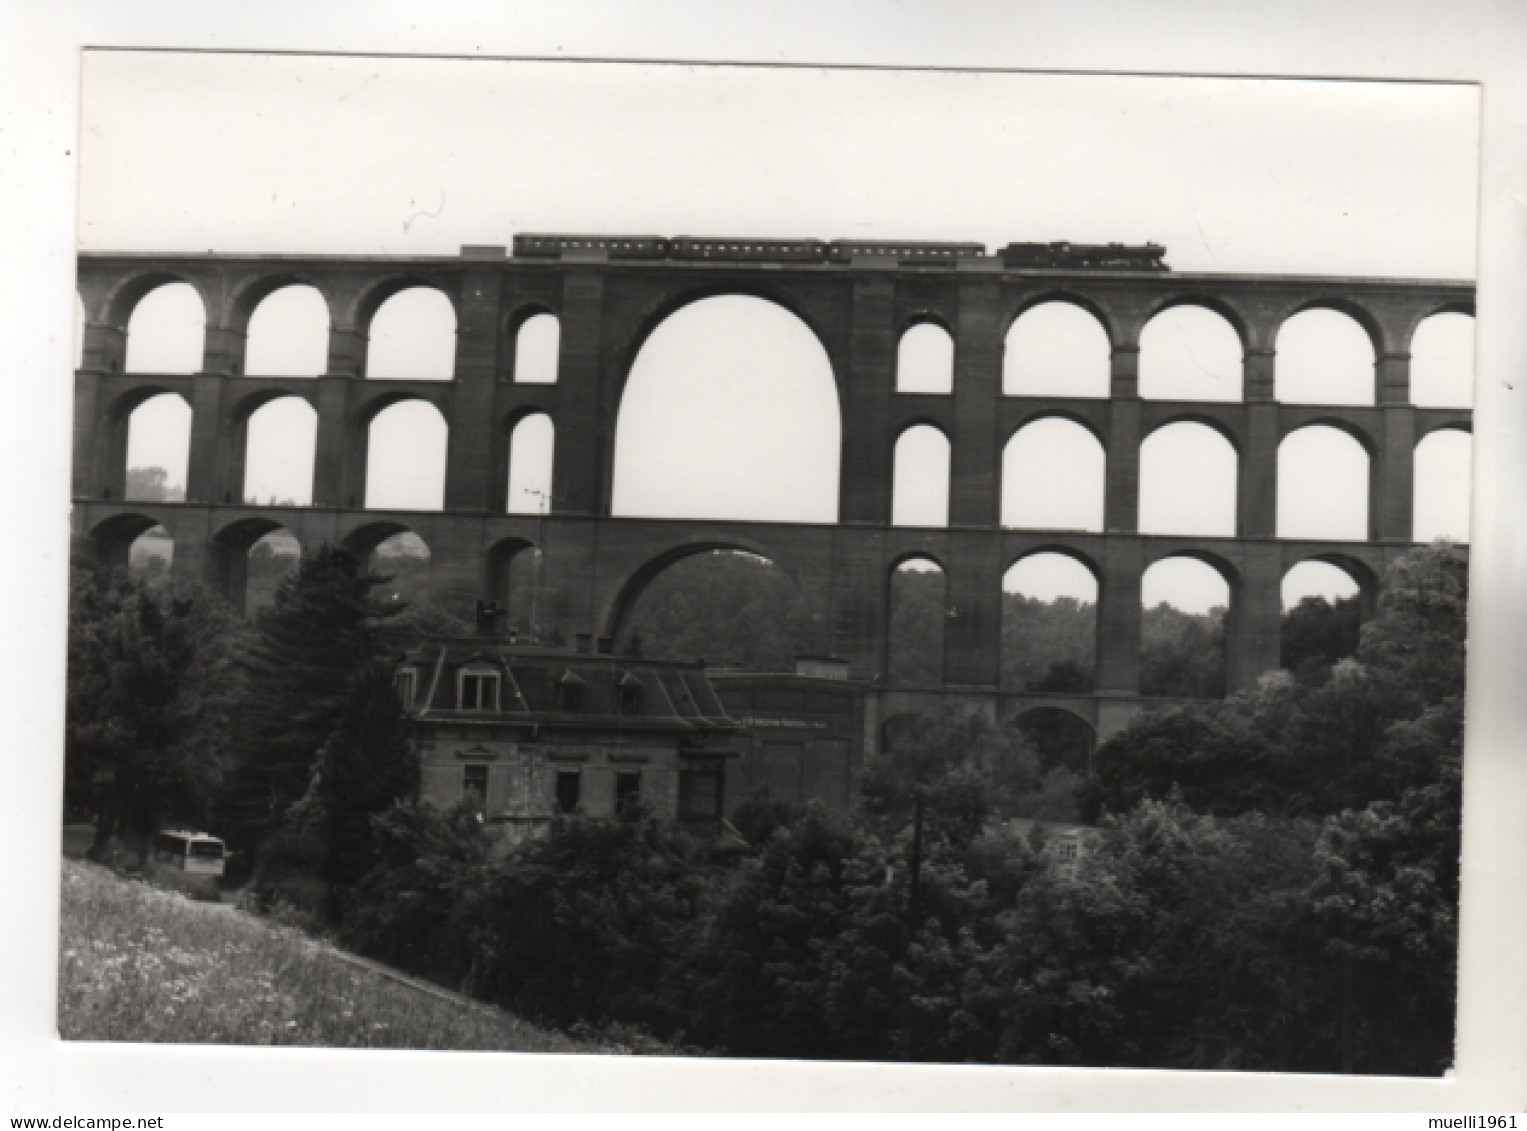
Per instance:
(477,688)
(406,683)
(570,692)
(630,691)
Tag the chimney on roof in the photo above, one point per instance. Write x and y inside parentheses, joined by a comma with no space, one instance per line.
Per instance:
(605,645)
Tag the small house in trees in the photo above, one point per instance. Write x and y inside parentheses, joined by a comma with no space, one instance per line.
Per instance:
(528,732)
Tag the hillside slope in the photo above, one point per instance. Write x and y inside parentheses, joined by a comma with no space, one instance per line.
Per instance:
(140,964)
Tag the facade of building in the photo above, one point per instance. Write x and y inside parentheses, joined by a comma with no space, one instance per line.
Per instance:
(804,734)
(528,732)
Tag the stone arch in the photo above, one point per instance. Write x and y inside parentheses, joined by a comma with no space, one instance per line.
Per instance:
(617,610)
(1361,573)
(141,441)
(726,364)
(384,484)
(1183,491)
(1193,348)
(665,306)
(264,353)
(427,356)
(925,357)
(1049,622)
(363,539)
(1325,484)
(1329,630)
(231,546)
(1085,366)
(531,438)
(1326,351)
(184,349)
(921,476)
(1187,652)
(916,617)
(1441,348)
(124,298)
(536,353)
(1443,484)
(109,542)
(504,566)
(1053,445)
(1067,753)
(258,444)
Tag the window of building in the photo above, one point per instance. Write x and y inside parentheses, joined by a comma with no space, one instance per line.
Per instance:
(699,795)
(628,790)
(474,785)
(478,690)
(569,788)
(569,692)
(404,683)
(630,695)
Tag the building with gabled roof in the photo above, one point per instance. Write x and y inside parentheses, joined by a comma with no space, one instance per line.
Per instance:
(528,732)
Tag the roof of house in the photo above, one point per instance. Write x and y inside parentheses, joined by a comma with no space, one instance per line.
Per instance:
(672,695)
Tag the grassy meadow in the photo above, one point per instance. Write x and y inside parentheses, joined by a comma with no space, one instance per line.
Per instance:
(141,964)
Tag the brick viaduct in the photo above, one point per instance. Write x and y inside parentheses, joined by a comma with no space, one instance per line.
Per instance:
(597,564)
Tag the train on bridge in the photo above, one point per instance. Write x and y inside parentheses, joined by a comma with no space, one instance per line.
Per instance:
(748,249)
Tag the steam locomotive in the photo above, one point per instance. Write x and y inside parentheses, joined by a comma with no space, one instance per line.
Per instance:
(1098,257)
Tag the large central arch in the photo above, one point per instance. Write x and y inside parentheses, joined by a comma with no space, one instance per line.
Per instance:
(689,442)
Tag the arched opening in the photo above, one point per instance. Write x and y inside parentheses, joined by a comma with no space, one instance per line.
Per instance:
(514,583)
(288,334)
(920,486)
(279,447)
(1190,353)
(917,608)
(251,558)
(531,443)
(1053,473)
(271,559)
(413,337)
(1188,481)
(158,449)
(727,607)
(1324,357)
(1062,739)
(1322,485)
(404,559)
(730,411)
(167,331)
(1442,362)
(1049,625)
(151,556)
(925,360)
(1323,613)
(1056,349)
(1053,759)
(405,458)
(1182,629)
(536,347)
(1443,471)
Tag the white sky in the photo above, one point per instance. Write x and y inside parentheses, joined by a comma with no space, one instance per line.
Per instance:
(188,152)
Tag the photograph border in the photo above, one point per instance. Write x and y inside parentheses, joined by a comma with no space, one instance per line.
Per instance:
(1409,41)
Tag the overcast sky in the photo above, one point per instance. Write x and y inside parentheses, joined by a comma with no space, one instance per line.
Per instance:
(308,154)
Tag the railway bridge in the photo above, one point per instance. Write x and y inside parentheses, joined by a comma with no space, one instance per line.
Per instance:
(610,293)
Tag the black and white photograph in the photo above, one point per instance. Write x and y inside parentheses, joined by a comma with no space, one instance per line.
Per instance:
(687,561)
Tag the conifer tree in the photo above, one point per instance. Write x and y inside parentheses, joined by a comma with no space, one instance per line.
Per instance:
(149,693)
(324,626)
(366,766)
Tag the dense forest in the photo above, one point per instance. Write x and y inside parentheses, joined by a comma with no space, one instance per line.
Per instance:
(1270,880)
